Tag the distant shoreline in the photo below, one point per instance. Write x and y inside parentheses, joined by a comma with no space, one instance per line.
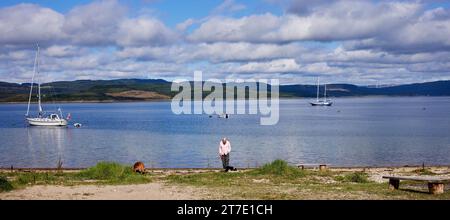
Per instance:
(94,101)
(165,100)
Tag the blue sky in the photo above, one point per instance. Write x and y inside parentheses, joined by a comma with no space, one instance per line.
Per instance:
(346,41)
(171,11)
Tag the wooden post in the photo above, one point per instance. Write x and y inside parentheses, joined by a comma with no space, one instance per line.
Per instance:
(436,188)
(322,167)
(394,184)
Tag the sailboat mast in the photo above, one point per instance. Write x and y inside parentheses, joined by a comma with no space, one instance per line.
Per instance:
(32,83)
(39,83)
(318,88)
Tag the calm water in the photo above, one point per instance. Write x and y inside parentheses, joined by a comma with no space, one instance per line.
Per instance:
(354,132)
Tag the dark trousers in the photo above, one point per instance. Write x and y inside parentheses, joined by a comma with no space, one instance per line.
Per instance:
(225,160)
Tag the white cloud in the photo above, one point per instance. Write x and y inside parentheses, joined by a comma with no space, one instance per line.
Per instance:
(429,32)
(100,23)
(143,31)
(16,55)
(346,20)
(275,66)
(30,24)
(62,51)
(214,53)
(304,7)
(228,6)
(343,41)
(183,26)
(95,23)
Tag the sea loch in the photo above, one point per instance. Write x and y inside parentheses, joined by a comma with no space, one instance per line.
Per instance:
(376,131)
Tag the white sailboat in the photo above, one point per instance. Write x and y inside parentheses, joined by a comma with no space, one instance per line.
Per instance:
(42,119)
(325,101)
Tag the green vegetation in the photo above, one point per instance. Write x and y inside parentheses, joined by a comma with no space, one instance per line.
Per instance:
(98,90)
(85,90)
(275,180)
(106,173)
(279,168)
(112,173)
(5,185)
(276,172)
(424,171)
(278,180)
(356,177)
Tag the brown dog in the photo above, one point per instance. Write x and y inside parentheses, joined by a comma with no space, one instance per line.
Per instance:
(139,167)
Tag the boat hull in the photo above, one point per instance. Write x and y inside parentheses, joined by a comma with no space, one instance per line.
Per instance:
(321,104)
(46,122)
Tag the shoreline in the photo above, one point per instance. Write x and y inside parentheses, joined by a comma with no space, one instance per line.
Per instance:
(167,100)
(307,166)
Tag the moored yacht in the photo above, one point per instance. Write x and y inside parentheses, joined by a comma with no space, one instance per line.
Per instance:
(324,101)
(42,119)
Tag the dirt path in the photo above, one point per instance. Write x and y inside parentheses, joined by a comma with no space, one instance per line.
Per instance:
(150,191)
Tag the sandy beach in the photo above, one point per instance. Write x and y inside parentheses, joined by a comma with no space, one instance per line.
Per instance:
(162,189)
(150,191)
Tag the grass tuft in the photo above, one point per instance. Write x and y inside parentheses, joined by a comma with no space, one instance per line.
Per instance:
(356,177)
(5,185)
(279,168)
(276,172)
(424,171)
(103,173)
(113,173)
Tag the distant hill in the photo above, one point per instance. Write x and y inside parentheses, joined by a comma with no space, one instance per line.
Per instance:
(151,89)
(438,88)
(91,90)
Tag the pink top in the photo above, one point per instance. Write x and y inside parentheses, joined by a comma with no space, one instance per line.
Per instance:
(224,149)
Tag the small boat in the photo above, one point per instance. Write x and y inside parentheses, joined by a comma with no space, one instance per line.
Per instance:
(42,119)
(325,101)
(223,116)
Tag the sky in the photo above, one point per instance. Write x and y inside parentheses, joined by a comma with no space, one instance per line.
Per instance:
(362,42)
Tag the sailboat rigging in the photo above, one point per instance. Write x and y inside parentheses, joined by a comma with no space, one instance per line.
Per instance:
(325,101)
(54,119)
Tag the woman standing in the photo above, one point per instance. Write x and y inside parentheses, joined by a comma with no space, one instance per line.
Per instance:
(224,152)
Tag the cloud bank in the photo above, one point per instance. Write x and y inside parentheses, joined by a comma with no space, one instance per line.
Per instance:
(362,42)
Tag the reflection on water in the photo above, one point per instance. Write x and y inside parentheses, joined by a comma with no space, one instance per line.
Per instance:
(355,132)
(47,142)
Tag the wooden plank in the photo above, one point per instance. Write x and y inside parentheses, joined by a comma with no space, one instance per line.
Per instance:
(430,179)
